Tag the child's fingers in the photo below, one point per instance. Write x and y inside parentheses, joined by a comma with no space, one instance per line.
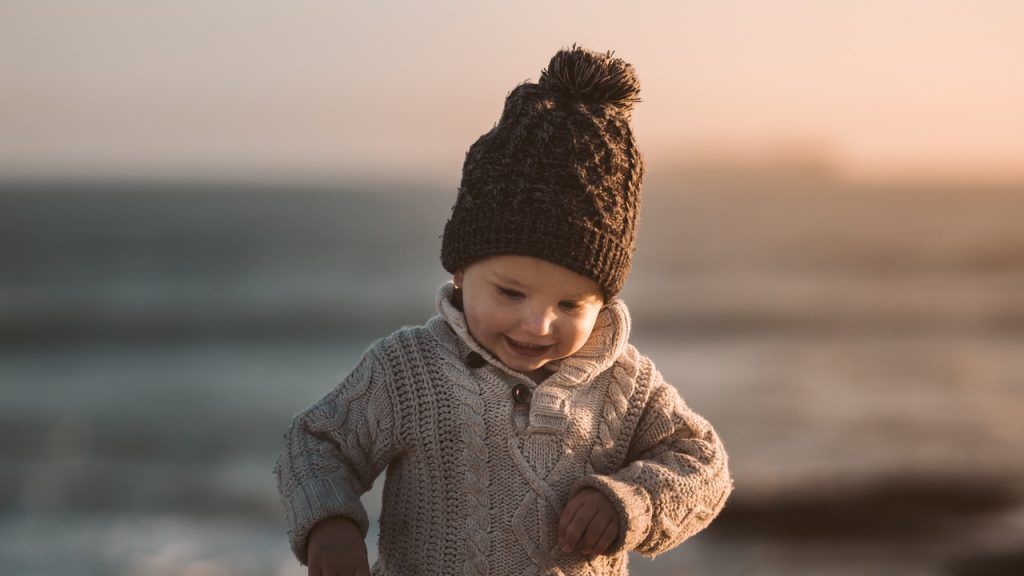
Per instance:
(595,530)
(316,570)
(576,526)
(567,515)
(611,532)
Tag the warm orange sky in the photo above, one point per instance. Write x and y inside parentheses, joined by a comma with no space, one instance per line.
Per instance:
(251,89)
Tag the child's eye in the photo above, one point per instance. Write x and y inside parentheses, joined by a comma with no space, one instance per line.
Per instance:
(509,293)
(570,306)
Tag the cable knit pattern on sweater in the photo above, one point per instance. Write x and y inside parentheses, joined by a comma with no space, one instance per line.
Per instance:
(476,483)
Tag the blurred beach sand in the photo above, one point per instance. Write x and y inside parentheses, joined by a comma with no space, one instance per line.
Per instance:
(859,348)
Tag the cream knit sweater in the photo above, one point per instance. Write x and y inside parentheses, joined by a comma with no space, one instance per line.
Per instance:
(475,482)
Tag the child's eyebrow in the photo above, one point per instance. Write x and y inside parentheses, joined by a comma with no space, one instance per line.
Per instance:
(506,280)
(582,297)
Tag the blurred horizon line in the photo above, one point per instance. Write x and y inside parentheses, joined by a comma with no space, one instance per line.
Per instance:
(660,178)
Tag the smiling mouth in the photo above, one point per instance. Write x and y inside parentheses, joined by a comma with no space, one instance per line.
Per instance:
(527,349)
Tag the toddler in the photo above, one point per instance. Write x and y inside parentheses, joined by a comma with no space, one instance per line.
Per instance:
(521,432)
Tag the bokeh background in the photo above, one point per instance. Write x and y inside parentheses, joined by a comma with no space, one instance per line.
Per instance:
(209,209)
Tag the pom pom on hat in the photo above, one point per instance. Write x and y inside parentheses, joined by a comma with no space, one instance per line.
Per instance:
(592,77)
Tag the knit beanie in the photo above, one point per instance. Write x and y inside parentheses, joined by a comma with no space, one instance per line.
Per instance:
(559,176)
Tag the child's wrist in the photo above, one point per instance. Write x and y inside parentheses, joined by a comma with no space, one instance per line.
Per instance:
(333,525)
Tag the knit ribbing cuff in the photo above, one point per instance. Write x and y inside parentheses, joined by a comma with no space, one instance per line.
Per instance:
(631,502)
(315,500)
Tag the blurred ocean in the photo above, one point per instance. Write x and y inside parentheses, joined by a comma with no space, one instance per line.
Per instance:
(859,349)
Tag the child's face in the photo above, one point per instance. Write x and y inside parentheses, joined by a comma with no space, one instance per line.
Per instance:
(527,311)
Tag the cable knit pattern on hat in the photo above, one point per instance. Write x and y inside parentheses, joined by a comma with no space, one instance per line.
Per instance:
(476,482)
(560,175)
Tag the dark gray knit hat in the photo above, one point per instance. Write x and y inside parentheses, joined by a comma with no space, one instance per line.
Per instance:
(559,176)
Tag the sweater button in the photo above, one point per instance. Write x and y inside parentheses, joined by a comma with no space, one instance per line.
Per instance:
(521,394)
(475,360)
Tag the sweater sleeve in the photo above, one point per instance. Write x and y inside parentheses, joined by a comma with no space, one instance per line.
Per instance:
(676,479)
(334,450)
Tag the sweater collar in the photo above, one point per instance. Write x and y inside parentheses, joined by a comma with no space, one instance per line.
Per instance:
(606,343)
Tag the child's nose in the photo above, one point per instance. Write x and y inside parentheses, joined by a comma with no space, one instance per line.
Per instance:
(538,322)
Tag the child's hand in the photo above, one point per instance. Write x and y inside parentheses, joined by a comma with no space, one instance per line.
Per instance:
(589,519)
(336,547)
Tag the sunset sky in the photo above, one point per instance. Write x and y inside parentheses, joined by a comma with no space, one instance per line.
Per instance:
(252,89)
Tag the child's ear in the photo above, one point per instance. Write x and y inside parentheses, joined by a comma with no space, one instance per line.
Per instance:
(457,278)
